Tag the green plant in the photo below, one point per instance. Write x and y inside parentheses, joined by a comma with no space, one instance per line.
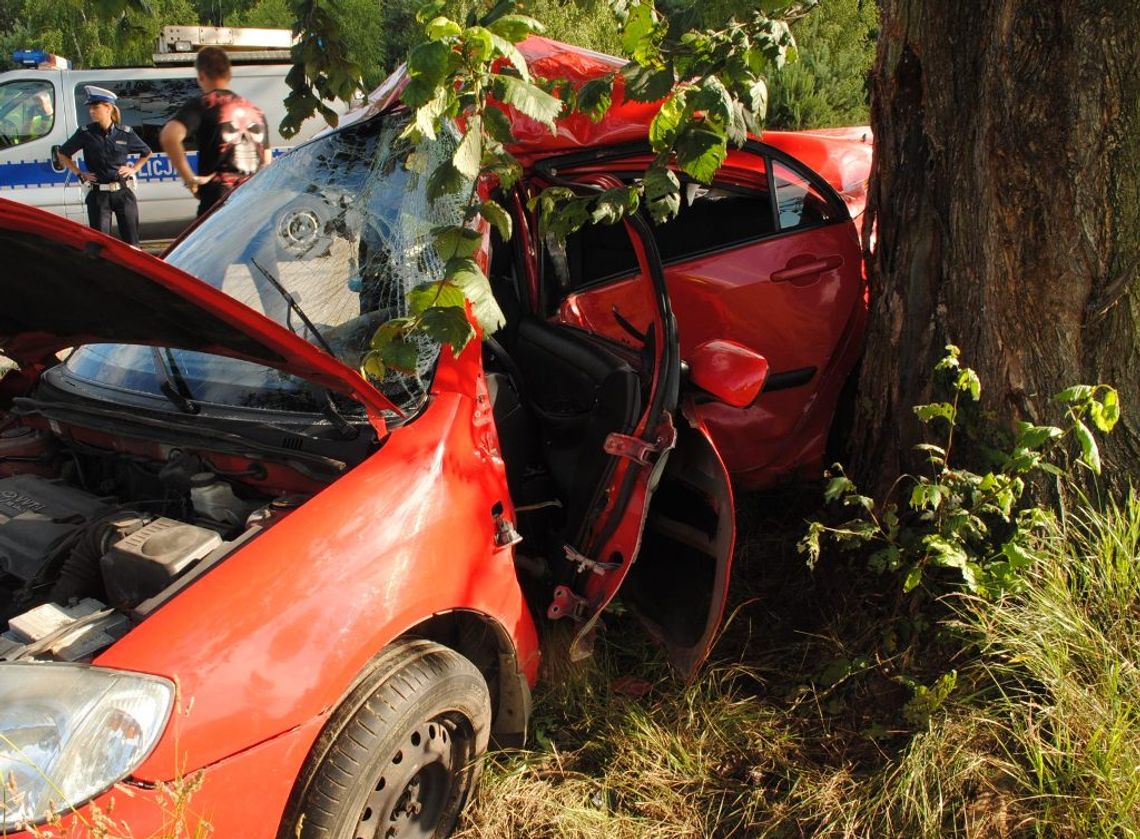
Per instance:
(453,77)
(973,525)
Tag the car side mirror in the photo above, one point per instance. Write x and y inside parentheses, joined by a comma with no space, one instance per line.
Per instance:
(729,371)
(56,166)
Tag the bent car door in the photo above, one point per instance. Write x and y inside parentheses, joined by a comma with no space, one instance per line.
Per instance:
(659,525)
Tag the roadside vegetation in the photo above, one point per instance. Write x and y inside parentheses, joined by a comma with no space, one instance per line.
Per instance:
(843,701)
(959,658)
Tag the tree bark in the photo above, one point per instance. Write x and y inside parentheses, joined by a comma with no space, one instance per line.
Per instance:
(1006,201)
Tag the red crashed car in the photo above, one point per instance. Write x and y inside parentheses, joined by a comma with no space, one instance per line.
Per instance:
(224,551)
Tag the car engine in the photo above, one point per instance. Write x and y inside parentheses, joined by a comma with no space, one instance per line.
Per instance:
(90,541)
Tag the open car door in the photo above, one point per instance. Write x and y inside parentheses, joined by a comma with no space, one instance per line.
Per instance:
(660,523)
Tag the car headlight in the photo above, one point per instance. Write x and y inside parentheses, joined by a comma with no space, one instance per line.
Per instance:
(70,731)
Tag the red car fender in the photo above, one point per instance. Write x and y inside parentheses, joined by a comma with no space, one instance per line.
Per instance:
(255,645)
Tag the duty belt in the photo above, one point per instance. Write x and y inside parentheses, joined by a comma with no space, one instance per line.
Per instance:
(111,187)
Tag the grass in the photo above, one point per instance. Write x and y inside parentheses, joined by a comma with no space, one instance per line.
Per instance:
(810,720)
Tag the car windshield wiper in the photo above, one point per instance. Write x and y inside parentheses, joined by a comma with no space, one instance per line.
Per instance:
(342,425)
(173,386)
(294,306)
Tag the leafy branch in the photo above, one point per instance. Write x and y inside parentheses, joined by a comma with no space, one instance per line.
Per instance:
(452,77)
(713,92)
(973,524)
(322,70)
(469,75)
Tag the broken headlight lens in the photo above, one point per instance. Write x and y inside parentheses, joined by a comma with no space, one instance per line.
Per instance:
(69,731)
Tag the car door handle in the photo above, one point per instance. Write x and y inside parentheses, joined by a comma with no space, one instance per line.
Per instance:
(798,269)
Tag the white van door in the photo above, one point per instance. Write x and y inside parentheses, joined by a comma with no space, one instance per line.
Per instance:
(35,118)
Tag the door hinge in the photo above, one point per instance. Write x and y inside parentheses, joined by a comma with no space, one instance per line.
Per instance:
(636,449)
(567,604)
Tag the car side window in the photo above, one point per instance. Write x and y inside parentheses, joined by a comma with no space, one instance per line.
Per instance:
(800,203)
(712,218)
(27,111)
(145,104)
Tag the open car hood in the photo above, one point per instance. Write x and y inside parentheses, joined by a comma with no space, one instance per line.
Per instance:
(64,285)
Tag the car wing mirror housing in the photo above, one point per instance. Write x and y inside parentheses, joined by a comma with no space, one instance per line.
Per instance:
(731,372)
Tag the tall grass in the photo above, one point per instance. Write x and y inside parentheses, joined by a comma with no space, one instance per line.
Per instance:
(1041,736)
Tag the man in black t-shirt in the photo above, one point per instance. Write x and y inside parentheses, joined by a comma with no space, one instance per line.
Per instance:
(231,133)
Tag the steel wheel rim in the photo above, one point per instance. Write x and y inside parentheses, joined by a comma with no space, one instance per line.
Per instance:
(419,785)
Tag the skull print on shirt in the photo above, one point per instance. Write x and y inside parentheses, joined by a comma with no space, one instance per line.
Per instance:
(241,129)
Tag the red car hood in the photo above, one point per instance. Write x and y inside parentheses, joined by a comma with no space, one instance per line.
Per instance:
(64,285)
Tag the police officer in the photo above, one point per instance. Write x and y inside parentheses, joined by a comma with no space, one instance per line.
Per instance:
(107,146)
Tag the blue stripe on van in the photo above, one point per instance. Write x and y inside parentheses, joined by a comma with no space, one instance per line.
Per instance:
(27,174)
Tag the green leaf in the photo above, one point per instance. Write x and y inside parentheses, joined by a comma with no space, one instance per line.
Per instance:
(371,367)
(455,241)
(425,296)
(1105,413)
(1090,454)
(647,84)
(505,167)
(467,275)
(665,125)
(1076,393)
(885,560)
(445,179)
(713,98)
(448,324)
(468,156)
(662,193)
(429,114)
(1035,436)
(401,355)
(913,578)
(838,486)
(442,27)
(388,331)
(969,382)
(927,496)
(528,99)
(497,125)
(480,43)
(935,410)
(700,152)
(945,554)
(429,61)
(614,204)
(596,96)
(515,28)
(1018,557)
(637,37)
(496,215)
(512,54)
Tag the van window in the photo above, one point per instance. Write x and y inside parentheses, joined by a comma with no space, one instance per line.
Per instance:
(27,111)
(145,104)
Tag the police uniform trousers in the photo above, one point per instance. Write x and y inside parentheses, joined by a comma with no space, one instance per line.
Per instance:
(125,206)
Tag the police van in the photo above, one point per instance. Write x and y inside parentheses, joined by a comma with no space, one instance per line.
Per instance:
(43,105)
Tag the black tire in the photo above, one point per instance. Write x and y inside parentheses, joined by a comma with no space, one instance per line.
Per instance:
(400,756)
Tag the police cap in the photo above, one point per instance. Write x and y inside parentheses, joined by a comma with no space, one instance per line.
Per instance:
(96,95)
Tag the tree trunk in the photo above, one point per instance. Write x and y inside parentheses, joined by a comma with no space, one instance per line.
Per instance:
(1007,201)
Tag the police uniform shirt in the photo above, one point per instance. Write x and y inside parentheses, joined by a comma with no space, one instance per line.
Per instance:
(104,153)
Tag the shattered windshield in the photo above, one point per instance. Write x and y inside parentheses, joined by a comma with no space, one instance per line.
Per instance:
(342,226)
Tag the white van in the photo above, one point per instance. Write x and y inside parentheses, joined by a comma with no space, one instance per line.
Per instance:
(148,97)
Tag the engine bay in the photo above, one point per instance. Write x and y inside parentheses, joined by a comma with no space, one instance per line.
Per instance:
(96,531)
